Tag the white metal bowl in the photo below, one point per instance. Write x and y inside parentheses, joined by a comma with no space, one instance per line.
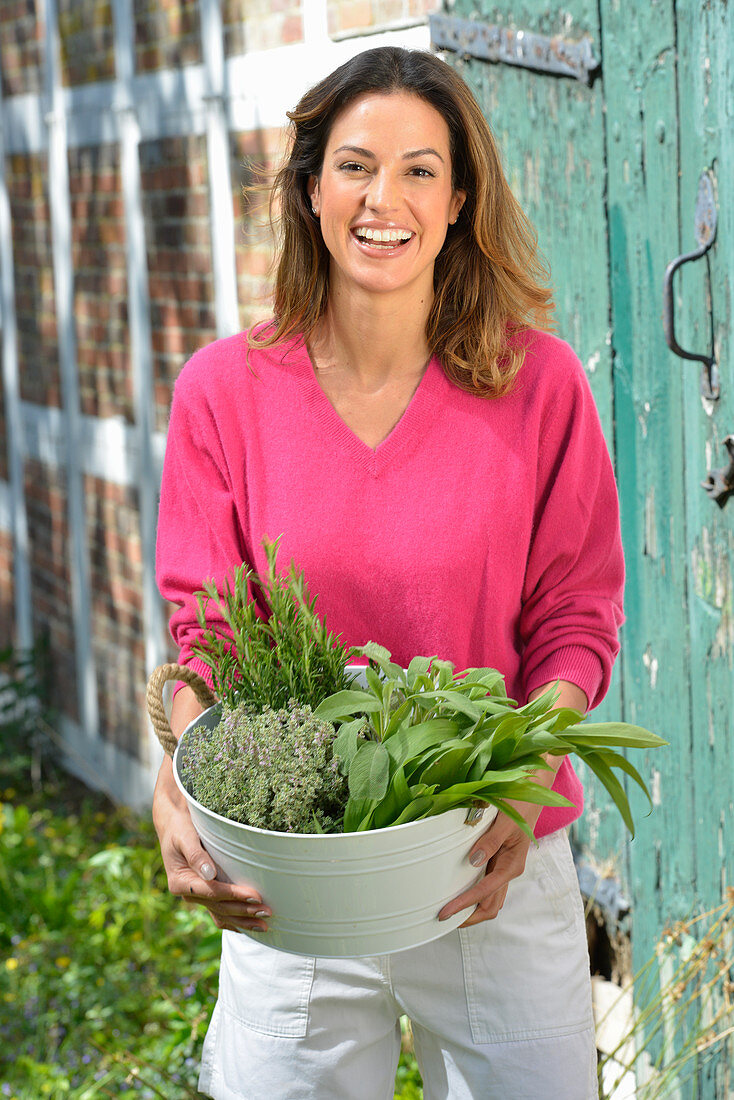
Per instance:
(344,895)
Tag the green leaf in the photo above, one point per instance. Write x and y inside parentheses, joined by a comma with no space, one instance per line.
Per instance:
(356,812)
(606,776)
(449,767)
(397,798)
(616,760)
(343,704)
(543,703)
(418,667)
(620,734)
(377,653)
(410,742)
(456,701)
(375,683)
(346,742)
(369,772)
(419,807)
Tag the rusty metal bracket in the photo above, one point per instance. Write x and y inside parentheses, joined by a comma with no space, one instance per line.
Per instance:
(719,484)
(705,224)
(508,45)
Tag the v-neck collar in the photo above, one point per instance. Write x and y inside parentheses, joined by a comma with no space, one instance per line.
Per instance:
(408,428)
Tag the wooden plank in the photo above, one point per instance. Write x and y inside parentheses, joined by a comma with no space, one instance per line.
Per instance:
(706,94)
(642,156)
(551,135)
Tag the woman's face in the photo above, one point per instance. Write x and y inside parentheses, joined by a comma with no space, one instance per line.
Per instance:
(384,197)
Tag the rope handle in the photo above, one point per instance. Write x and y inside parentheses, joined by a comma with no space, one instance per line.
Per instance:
(154,699)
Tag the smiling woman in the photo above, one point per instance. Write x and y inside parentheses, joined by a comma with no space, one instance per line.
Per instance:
(422,446)
(385,197)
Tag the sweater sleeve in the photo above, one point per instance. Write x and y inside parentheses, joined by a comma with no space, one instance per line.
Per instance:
(199,535)
(572,594)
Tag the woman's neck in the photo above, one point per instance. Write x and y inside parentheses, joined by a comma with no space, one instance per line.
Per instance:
(372,338)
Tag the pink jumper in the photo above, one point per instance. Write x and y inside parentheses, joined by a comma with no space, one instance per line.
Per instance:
(483,531)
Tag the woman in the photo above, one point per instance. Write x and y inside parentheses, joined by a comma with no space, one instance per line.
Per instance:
(434,462)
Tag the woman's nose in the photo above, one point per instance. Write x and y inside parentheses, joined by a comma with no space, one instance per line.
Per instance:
(381,193)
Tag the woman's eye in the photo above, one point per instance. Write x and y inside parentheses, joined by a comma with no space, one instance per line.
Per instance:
(422,173)
(351,166)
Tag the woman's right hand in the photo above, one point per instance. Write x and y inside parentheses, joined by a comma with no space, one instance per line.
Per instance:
(189,867)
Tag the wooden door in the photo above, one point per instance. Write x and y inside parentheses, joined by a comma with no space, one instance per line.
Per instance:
(609,172)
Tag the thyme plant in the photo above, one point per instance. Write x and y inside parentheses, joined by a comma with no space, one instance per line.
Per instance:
(271,769)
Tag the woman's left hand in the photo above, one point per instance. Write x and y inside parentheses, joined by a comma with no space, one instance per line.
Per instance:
(504,846)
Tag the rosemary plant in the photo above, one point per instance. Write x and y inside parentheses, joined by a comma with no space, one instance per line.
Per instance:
(279,649)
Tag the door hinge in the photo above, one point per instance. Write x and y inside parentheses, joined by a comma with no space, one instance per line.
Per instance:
(510,46)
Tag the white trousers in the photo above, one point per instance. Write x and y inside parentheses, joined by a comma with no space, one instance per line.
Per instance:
(500,1010)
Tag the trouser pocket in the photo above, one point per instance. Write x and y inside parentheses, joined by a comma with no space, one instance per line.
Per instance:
(526,973)
(266,990)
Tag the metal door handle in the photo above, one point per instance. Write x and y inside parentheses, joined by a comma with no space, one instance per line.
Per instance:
(705,235)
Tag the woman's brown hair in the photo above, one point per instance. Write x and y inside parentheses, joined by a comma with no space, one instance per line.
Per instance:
(489,281)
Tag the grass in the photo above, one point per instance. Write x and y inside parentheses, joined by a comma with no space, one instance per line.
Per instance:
(107,982)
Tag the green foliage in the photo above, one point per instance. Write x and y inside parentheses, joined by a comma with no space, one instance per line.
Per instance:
(107,982)
(279,648)
(25,708)
(273,770)
(436,741)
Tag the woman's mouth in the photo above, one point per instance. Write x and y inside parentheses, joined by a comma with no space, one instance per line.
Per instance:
(382,239)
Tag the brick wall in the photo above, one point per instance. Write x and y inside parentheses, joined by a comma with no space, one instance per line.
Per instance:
(100,282)
(118,637)
(35,302)
(48,532)
(253,156)
(21,47)
(86,34)
(178,246)
(167,34)
(350,16)
(176,206)
(261,24)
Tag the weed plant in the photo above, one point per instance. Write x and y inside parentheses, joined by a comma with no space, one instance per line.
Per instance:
(683,1010)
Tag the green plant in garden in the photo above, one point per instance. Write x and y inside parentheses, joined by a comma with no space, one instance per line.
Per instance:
(278,649)
(107,982)
(437,740)
(270,769)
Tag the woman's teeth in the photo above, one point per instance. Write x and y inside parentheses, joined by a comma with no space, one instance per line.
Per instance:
(383,236)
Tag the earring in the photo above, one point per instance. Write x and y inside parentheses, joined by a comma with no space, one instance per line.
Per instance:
(313,210)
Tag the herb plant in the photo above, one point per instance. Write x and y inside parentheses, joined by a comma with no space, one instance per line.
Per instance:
(271,769)
(436,741)
(279,648)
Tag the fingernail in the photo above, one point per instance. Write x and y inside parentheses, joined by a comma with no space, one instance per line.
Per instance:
(207,871)
(478,858)
(262,913)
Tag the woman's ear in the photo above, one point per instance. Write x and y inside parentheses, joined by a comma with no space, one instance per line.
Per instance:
(312,187)
(457,201)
